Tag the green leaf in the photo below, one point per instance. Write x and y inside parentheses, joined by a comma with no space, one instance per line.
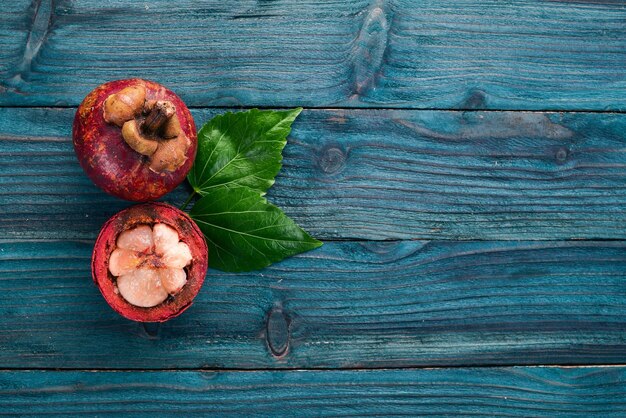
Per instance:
(239,154)
(241,149)
(245,232)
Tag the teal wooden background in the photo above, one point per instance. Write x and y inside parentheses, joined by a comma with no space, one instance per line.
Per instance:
(464,162)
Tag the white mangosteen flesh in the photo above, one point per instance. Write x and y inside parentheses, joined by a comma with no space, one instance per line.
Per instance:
(149,264)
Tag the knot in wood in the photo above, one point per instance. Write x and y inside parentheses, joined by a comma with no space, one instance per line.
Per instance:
(332,160)
(476,99)
(369,48)
(561,155)
(277,332)
(151,330)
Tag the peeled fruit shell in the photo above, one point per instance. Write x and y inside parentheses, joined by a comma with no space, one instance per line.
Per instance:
(149,262)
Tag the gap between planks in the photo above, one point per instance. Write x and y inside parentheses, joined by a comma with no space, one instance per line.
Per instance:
(308,369)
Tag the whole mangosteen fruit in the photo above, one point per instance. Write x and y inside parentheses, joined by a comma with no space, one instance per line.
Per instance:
(149,262)
(135,139)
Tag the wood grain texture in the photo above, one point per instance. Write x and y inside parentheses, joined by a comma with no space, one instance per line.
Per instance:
(349,304)
(529,180)
(519,391)
(459,54)
(367,174)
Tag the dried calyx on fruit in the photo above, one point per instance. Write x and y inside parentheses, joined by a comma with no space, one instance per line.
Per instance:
(149,262)
(150,127)
(135,139)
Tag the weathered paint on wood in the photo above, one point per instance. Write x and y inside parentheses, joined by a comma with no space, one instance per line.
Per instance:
(367,174)
(347,304)
(518,391)
(527,54)
(349,174)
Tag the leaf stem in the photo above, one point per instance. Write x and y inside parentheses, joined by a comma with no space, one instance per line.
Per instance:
(188,200)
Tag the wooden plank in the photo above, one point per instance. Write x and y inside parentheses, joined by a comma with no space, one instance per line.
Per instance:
(16,21)
(348,304)
(367,174)
(460,54)
(518,391)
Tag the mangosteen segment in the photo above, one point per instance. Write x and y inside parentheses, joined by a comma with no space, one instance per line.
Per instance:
(145,275)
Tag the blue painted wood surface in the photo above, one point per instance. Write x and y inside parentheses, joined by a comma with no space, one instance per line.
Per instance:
(519,391)
(454,236)
(525,54)
(348,304)
(367,174)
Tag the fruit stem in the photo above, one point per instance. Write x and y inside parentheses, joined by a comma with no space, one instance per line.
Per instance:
(188,200)
(160,113)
